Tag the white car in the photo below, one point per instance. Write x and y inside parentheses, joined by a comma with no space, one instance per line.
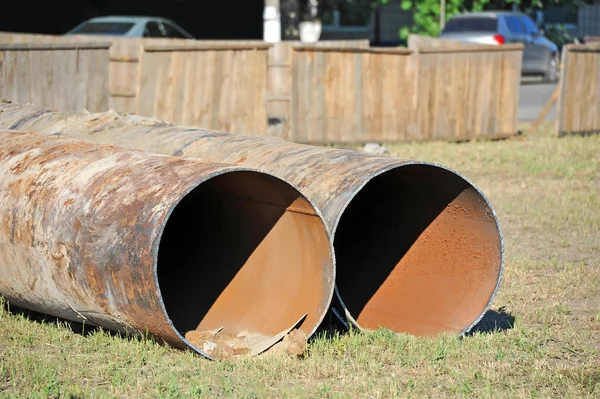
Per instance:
(133,26)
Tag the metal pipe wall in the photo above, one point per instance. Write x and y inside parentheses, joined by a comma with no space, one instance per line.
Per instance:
(148,243)
(418,247)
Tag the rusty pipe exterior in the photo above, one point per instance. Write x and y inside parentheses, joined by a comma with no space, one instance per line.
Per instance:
(418,247)
(148,243)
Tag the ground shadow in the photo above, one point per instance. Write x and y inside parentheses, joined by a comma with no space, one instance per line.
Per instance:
(332,326)
(41,318)
(494,321)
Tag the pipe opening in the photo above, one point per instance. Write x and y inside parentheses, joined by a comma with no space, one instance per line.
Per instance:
(245,251)
(419,251)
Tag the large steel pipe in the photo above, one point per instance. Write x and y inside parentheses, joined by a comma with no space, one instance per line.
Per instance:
(149,243)
(418,247)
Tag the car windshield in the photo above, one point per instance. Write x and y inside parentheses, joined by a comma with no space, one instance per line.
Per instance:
(104,28)
(471,24)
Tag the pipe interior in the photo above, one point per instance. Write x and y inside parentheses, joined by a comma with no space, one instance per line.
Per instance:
(418,251)
(244,251)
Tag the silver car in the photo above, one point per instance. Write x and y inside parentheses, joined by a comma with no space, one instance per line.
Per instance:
(130,26)
(540,55)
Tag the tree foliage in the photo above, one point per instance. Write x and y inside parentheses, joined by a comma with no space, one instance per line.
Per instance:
(426,14)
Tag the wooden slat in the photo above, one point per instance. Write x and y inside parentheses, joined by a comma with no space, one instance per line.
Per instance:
(561,110)
(96,64)
(9,73)
(23,82)
(590,73)
(187,88)
(47,88)
(211,85)
(36,77)
(373,107)
(494,113)
(303,79)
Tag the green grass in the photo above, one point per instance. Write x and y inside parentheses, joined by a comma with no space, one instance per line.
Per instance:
(546,192)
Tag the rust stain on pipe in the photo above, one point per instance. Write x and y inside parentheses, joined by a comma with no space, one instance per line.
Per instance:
(418,247)
(141,242)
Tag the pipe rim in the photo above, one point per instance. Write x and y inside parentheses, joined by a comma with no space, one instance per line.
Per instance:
(401,164)
(330,272)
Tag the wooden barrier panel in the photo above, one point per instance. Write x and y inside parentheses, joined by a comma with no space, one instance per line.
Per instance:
(125,68)
(579,93)
(322,93)
(466,93)
(279,84)
(65,76)
(280,72)
(215,87)
(396,95)
(351,95)
(124,57)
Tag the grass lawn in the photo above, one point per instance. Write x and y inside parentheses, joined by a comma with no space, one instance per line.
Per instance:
(546,192)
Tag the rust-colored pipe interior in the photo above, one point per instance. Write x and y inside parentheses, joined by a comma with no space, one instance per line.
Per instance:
(247,252)
(418,251)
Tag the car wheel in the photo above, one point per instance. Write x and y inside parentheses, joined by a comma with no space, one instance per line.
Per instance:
(551,75)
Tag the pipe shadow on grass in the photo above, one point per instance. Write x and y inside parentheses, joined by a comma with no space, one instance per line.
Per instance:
(494,321)
(80,328)
(331,327)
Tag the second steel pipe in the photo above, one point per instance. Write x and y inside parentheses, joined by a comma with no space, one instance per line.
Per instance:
(418,247)
(143,242)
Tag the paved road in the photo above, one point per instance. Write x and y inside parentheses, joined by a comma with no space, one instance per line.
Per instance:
(532,99)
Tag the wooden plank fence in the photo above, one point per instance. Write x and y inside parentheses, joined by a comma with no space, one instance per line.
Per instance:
(351,95)
(124,65)
(125,68)
(66,76)
(323,93)
(215,87)
(469,92)
(396,95)
(579,90)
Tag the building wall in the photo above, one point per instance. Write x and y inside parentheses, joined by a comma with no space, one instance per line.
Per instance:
(391,19)
(588,20)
